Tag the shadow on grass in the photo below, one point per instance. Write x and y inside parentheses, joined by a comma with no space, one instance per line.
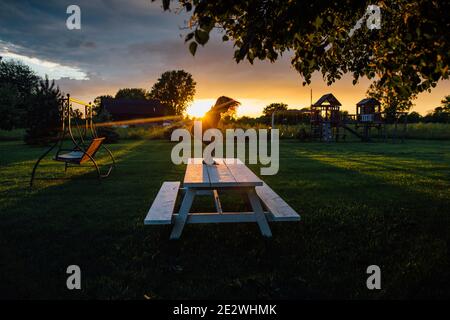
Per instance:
(16,152)
(350,221)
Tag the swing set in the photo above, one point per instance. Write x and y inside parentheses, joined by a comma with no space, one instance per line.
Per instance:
(81,151)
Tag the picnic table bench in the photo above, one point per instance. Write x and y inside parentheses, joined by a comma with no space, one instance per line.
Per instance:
(224,174)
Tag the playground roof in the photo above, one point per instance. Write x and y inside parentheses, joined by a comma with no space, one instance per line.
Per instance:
(327,98)
(368,101)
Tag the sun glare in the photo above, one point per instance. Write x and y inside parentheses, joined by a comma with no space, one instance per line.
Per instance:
(200,107)
(249,107)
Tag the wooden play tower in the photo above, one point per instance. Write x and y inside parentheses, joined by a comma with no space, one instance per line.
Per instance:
(325,118)
(369,116)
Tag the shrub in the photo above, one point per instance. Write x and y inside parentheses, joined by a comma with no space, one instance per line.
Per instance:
(435,131)
(107,132)
(44,114)
(17,84)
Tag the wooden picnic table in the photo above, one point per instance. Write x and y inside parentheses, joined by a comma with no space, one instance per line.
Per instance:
(203,179)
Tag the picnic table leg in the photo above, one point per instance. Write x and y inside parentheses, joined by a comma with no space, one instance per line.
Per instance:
(259,212)
(217,202)
(181,219)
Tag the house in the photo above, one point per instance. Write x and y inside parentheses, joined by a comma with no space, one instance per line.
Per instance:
(129,109)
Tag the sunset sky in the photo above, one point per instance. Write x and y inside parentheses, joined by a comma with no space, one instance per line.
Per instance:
(130,43)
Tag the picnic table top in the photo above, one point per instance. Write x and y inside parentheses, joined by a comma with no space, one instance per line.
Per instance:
(226,172)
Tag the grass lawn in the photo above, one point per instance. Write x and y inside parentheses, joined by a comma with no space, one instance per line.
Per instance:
(361,204)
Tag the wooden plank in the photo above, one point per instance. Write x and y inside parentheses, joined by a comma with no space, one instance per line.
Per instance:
(196,174)
(162,207)
(214,217)
(243,175)
(220,175)
(225,217)
(180,220)
(229,160)
(279,209)
(259,214)
(217,201)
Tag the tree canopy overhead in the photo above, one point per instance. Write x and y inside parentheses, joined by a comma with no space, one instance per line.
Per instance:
(408,55)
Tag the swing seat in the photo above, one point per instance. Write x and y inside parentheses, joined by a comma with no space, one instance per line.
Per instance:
(77,156)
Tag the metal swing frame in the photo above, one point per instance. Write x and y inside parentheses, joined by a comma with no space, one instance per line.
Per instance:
(85,152)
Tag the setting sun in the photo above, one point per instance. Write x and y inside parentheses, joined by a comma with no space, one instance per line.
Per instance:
(200,107)
(248,107)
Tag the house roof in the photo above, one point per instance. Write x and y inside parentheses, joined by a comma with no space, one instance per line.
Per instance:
(327,98)
(368,101)
(133,107)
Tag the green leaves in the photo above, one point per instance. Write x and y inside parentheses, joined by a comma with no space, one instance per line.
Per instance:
(201,36)
(412,36)
(193,47)
(318,22)
(189,37)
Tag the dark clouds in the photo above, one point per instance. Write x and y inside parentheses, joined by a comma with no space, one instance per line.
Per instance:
(108,27)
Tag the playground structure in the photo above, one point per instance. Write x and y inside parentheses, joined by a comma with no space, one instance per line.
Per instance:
(82,151)
(368,116)
(326,118)
(328,123)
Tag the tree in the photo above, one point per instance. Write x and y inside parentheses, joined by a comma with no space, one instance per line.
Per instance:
(132,93)
(223,109)
(446,103)
(271,108)
(439,115)
(17,83)
(44,115)
(76,114)
(98,103)
(101,115)
(106,131)
(391,101)
(414,117)
(406,56)
(174,89)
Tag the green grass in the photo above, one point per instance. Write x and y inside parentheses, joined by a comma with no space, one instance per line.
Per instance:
(139,133)
(361,204)
(12,135)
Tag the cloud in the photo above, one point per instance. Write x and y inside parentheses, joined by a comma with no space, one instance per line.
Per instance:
(54,71)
